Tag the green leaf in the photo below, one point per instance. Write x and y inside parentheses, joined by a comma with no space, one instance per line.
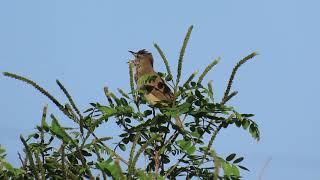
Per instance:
(109,167)
(165,160)
(172,113)
(122,147)
(183,144)
(191,150)
(183,108)
(90,109)
(168,77)
(203,148)
(142,175)
(244,168)
(198,94)
(238,160)
(247,115)
(44,125)
(147,112)
(254,131)
(107,111)
(238,116)
(159,177)
(235,171)
(210,91)
(57,130)
(227,169)
(2,151)
(7,165)
(124,94)
(245,124)
(85,153)
(230,157)
(114,171)
(123,102)
(196,134)
(105,138)
(208,68)
(186,146)
(186,84)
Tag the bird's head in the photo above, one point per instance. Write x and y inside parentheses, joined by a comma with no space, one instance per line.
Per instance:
(142,58)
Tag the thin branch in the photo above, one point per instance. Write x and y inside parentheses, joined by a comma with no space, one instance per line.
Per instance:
(210,91)
(121,91)
(117,164)
(191,77)
(181,55)
(165,60)
(134,144)
(63,161)
(107,94)
(217,164)
(22,162)
(214,135)
(207,69)
(225,99)
(109,150)
(234,93)
(67,94)
(100,160)
(174,166)
(29,155)
(43,121)
(234,71)
(39,88)
(69,98)
(143,147)
(43,91)
(264,168)
(40,165)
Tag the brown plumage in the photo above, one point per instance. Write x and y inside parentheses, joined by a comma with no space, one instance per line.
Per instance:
(156,90)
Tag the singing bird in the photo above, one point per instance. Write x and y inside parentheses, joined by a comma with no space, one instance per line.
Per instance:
(155,90)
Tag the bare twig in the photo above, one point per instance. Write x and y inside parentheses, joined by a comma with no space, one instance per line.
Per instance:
(264,168)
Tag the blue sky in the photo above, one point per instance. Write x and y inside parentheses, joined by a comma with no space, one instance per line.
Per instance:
(85,45)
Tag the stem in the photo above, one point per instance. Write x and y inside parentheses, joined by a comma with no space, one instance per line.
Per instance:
(234,71)
(174,166)
(63,161)
(110,151)
(29,155)
(39,88)
(214,135)
(136,138)
(100,159)
(143,147)
(182,51)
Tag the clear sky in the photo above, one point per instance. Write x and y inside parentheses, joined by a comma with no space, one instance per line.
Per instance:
(85,45)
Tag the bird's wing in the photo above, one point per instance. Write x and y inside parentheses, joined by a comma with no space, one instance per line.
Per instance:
(157,91)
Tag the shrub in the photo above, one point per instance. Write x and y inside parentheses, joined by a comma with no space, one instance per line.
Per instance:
(146,133)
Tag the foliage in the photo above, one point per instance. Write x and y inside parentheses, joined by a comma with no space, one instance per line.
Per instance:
(146,134)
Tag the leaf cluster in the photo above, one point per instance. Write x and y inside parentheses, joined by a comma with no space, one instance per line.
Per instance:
(149,145)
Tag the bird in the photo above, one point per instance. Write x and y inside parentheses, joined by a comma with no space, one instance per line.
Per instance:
(156,90)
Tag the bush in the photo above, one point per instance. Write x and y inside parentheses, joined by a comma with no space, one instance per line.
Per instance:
(145,133)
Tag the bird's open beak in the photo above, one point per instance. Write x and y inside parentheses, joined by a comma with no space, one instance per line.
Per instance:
(133,53)
(134,61)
